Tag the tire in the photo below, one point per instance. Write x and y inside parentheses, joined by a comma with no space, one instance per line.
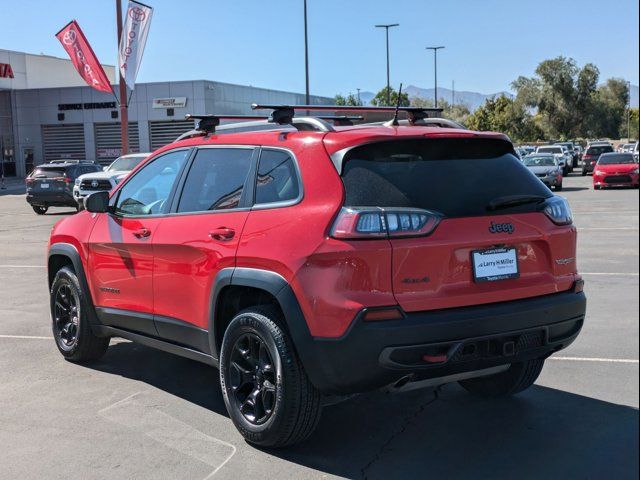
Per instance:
(596,187)
(517,378)
(39,209)
(559,188)
(76,342)
(290,412)
(584,173)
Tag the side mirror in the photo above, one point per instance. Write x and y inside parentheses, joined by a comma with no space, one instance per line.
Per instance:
(97,202)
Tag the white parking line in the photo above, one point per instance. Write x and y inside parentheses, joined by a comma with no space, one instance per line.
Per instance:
(26,337)
(592,359)
(143,416)
(22,266)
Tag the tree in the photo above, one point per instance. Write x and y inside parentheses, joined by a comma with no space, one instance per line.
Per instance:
(633,123)
(350,100)
(506,115)
(381,98)
(458,112)
(568,102)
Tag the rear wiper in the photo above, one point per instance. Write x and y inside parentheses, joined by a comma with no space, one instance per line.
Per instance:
(513,201)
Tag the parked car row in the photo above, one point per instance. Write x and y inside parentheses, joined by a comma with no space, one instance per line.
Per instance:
(65,182)
(550,163)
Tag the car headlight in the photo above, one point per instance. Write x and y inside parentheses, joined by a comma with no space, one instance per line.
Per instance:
(599,172)
(77,182)
(636,171)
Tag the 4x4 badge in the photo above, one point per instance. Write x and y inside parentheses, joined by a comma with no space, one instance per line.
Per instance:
(502,228)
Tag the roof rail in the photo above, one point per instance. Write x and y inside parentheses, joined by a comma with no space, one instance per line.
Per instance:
(287,111)
(207,124)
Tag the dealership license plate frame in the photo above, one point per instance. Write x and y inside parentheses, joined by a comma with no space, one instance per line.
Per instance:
(478,254)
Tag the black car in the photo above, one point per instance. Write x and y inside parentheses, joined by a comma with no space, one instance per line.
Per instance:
(591,156)
(51,184)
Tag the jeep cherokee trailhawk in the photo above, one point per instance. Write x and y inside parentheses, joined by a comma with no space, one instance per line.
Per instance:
(306,258)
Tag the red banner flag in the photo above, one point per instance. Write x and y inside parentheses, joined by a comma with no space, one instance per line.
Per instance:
(83,58)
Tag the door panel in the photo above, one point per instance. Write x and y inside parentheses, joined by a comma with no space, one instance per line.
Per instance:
(191,246)
(187,258)
(121,243)
(121,262)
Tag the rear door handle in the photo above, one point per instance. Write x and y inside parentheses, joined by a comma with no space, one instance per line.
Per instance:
(223,234)
(142,233)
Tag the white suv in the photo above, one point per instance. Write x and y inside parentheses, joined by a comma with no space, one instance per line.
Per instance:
(107,179)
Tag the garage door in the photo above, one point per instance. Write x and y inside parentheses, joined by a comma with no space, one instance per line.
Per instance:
(63,141)
(109,141)
(163,133)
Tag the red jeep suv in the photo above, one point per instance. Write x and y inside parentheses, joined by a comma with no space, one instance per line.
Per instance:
(309,258)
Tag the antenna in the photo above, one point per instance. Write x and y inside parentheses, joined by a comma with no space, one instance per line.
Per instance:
(394,121)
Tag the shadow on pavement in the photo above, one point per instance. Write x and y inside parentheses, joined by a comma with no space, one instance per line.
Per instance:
(572,189)
(541,433)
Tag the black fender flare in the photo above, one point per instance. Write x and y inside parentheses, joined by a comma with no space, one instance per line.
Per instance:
(71,252)
(277,286)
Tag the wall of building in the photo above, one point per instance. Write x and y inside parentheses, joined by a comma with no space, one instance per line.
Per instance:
(33,109)
(43,71)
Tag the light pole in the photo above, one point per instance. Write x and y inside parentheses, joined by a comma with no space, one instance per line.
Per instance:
(124,115)
(629,113)
(387,27)
(306,57)
(435,71)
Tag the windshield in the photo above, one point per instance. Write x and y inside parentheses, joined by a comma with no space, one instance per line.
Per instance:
(616,159)
(424,173)
(540,162)
(125,164)
(550,150)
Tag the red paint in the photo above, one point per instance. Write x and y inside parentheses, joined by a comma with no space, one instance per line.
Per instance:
(171,271)
(601,172)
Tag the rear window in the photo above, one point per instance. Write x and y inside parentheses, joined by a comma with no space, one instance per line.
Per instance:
(456,177)
(599,150)
(48,172)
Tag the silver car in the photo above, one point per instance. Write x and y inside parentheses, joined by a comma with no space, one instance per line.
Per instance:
(545,166)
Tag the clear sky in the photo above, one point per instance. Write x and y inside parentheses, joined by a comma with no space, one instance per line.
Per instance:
(259,42)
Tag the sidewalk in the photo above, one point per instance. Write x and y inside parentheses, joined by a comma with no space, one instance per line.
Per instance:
(12,186)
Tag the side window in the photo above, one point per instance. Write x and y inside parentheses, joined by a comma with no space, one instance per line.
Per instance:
(147,192)
(216,179)
(277,179)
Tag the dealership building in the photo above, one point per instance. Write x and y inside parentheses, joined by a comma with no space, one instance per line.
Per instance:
(48,113)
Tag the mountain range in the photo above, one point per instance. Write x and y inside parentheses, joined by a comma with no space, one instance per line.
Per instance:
(471,99)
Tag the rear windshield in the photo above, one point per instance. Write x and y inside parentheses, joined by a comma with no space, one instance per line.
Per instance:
(455,177)
(549,150)
(599,150)
(616,159)
(48,172)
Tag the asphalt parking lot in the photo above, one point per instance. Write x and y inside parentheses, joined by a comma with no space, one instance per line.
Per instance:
(141,413)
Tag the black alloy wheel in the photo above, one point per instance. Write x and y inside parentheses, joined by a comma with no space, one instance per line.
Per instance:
(66,316)
(252,378)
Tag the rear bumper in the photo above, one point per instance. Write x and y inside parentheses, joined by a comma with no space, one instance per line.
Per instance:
(55,199)
(376,354)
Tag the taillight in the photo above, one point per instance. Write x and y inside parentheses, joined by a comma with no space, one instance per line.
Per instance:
(558,211)
(377,222)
